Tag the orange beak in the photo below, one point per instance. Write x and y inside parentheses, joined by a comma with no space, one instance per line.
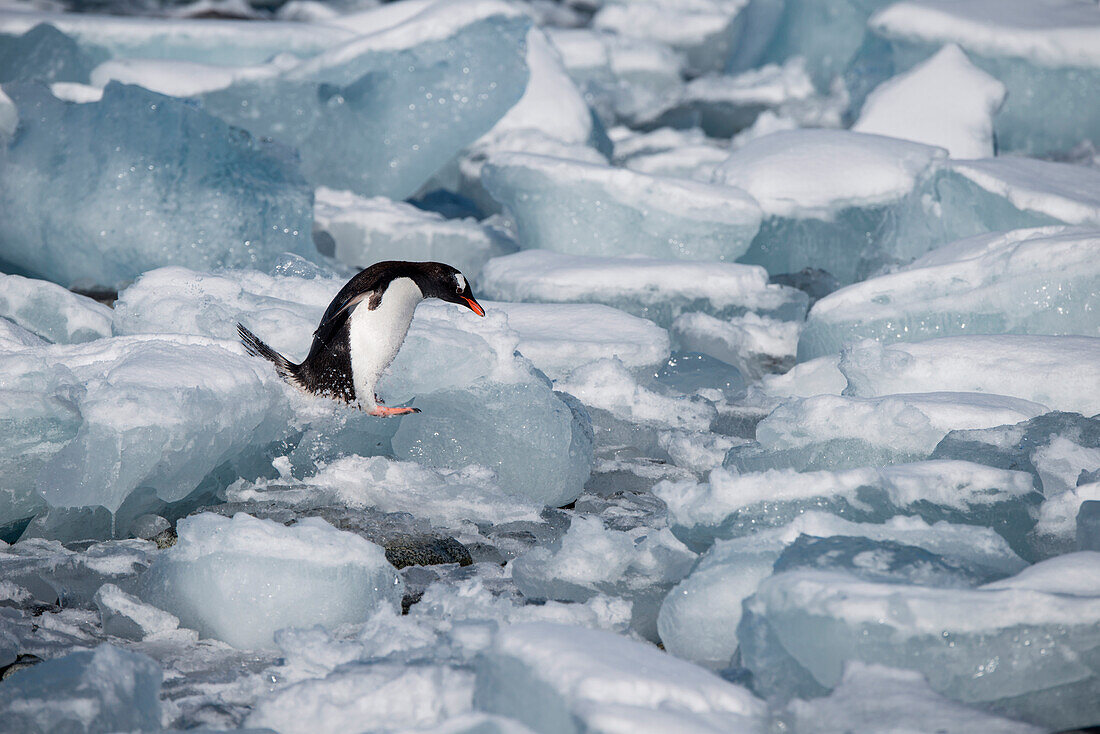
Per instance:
(474,306)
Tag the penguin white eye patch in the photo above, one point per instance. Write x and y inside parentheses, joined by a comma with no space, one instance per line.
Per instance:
(460,282)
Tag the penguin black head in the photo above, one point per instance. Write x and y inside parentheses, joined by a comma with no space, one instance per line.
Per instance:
(446,283)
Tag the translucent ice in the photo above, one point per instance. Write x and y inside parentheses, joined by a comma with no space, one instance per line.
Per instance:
(124,615)
(830,199)
(1045,55)
(622,78)
(698,619)
(1060,372)
(382,113)
(241,579)
(945,101)
(639,565)
(585,209)
(1013,646)
(1010,192)
(756,345)
(44,54)
(839,432)
(207,40)
(559,680)
(364,231)
(103,690)
(1037,281)
(730,505)
(52,312)
(659,290)
(827,34)
(867,695)
(390,697)
(558,337)
(704,32)
(146,180)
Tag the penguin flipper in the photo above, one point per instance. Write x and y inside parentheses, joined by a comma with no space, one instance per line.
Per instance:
(335,317)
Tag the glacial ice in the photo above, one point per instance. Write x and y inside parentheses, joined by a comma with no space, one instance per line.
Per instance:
(839,432)
(44,54)
(756,345)
(1045,55)
(729,505)
(118,418)
(559,337)
(1019,646)
(559,679)
(699,617)
(89,198)
(124,615)
(870,694)
(1034,281)
(704,31)
(659,290)
(242,579)
(102,690)
(585,209)
(832,199)
(52,312)
(360,231)
(381,113)
(945,101)
(1060,372)
(208,41)
(639,566)
(621,78)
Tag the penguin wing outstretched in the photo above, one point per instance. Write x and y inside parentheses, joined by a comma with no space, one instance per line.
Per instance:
(338,313)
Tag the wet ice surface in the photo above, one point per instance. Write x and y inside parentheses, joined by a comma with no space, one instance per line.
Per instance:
(783,415)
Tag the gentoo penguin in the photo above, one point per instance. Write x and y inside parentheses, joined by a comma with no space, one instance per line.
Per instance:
(363,328)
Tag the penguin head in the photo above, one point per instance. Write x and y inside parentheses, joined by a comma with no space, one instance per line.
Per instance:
(448,284)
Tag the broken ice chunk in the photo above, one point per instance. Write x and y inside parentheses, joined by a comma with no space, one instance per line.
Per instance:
(241,579)
(730,505)
(1045,54)
(698,619)
(839,432)
(45,54)
(391,697)
(755,345)
(558,337)
(557,678)
(945,101)
(585,209)
(364,231)
(124,615)
(871,694)
(703,31)
(1013,646)
(102,212)
(101,690)
(831,199)
(1061,372)
(1012,192)
(382,113)
(1035,281)
(53,312)
(206,40)
(659,290)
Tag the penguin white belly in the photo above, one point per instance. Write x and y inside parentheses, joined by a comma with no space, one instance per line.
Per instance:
(376,336)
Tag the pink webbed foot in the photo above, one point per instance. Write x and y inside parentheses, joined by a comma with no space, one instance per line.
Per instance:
(383,412)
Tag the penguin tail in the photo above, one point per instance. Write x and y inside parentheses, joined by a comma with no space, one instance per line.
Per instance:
(256,347)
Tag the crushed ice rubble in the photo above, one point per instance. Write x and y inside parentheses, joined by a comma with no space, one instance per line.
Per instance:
(783,417)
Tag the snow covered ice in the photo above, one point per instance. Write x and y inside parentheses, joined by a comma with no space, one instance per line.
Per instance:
(783,415)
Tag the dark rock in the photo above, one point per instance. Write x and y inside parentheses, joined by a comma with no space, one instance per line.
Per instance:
(21,663)
(426,550)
